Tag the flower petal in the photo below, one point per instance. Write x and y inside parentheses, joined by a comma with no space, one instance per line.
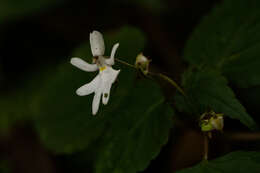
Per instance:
(89,87)
(97,43)
(111,60)
(109,75)
(95,102)
(106,93)
(83,65)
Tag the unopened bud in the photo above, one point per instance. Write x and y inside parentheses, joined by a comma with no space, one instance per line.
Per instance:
(217,122)
(142,63)
(210,121)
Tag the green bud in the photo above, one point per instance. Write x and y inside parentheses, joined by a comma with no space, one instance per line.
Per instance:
(206,127)
(210,121)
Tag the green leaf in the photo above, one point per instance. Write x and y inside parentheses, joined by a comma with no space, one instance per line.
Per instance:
(141,137)
(251,97)
(228,39)
(127,133)
(239,162)
(208,90)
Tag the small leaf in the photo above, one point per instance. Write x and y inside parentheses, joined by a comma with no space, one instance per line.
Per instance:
(239,162)
(208,90)
(228,39)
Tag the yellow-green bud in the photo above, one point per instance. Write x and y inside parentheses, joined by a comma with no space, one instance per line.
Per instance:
(206,127)
(211,121)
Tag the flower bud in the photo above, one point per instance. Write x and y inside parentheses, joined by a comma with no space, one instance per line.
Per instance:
(210,121)
(142,63)
(217,122)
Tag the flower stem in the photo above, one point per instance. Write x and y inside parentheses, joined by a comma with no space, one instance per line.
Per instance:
(166,78)
(172,82)
(206,147)
(125,63)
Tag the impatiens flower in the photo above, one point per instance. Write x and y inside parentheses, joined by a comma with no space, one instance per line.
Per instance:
(102,83)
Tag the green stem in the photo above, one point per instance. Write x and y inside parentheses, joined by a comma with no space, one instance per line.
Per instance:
(206,147)
(125,63)
(172,82)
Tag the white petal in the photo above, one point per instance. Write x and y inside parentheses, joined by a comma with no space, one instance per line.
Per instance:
(109,75)
(83,65)
(95,102)
(97,43)
(111,60)
(89,87)
(106,93)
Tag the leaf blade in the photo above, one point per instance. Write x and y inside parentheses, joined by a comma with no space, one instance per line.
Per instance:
(239,161)
(209,90)
(228,40)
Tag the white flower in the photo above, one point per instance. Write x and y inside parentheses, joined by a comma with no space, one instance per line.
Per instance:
(102,83)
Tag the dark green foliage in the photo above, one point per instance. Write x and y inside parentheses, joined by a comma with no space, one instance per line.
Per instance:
(238,162)
(228,39)
(208,90)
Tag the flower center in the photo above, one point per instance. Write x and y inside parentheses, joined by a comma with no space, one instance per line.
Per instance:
(102,68)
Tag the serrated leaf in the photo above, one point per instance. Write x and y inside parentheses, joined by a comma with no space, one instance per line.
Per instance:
(208,90)
(132,127)
(228,39)
(139,141)
(238,162)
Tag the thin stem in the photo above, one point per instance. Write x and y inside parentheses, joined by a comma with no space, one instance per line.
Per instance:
(172,82)
(166,78)
(206,147)
(125,63)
